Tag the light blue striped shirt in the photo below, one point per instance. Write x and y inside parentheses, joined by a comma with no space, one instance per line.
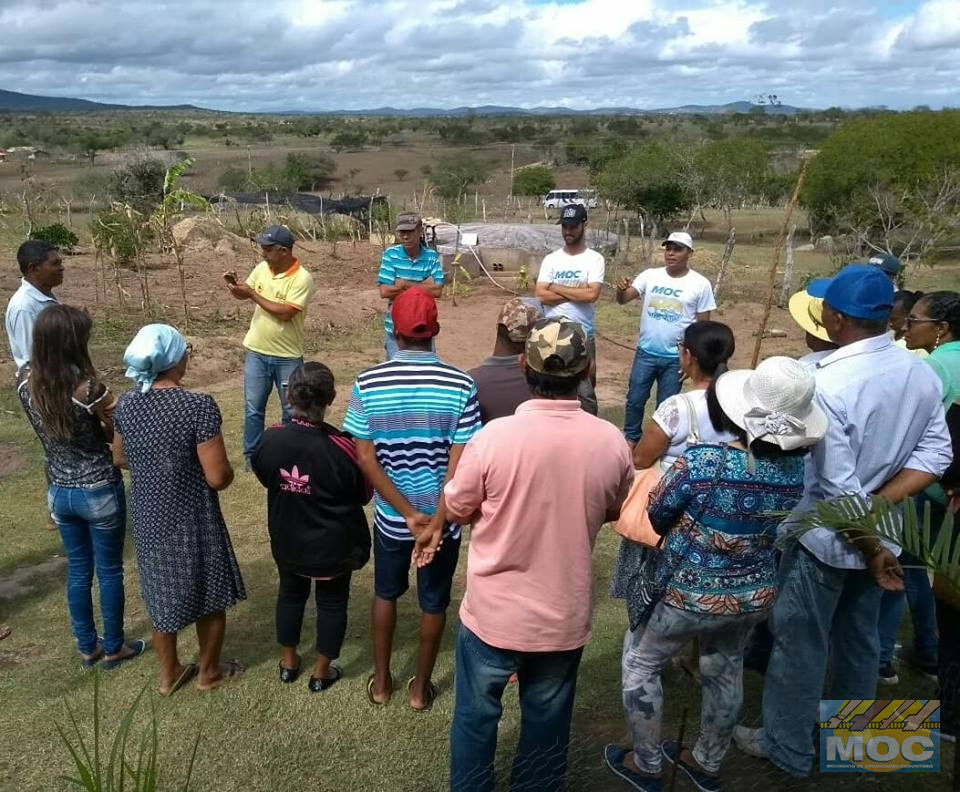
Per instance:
(396,264)
(884,415)
(413,408)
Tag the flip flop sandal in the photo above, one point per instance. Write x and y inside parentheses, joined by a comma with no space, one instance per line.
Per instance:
(370,692)
(319,684)
(288,675)
(139,647)
(233,671)
(431,695)
(189,672)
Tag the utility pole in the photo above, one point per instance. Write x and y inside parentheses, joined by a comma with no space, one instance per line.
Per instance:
(513,152)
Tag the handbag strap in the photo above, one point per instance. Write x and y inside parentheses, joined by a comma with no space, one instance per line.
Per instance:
(693,428)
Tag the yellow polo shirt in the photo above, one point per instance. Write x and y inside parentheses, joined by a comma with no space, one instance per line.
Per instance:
(267,334)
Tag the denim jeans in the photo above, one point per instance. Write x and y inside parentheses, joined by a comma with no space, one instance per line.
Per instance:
(586,392)
(824,617)
(261,374)
(646,370)
(548,682)
(918,595)
(647,650)
(92,524)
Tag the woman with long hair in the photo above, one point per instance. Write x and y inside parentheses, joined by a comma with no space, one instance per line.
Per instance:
(70,409)
(170,439)
(716,578)
(679,422)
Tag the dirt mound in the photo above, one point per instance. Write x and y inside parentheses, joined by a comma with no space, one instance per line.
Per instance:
(204,234)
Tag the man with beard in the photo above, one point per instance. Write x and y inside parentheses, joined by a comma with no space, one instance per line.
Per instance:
(674,296)
(569,284)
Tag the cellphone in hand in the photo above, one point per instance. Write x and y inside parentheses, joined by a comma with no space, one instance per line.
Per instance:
(230,278)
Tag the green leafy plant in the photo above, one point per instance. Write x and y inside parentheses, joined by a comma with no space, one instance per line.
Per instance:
(939,550)
(56,234)
(116,771)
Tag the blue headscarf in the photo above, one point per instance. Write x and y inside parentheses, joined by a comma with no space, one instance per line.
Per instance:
(154,349)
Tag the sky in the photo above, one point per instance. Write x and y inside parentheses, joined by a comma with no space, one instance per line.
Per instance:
(270,55)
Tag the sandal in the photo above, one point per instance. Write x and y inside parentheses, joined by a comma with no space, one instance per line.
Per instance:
(319,684)
(288,675)
(137,647)
(370,692)
(189,672)
(232,669)
(431,695)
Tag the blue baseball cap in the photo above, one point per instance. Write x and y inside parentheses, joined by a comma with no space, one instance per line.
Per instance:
(862,291)
(889,264)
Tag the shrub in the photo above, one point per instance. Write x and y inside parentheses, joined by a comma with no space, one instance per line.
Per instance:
(57,234)
(535,180)
(121,233)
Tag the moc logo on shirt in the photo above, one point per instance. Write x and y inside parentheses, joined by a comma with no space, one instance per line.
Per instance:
(880,736)
(567,275)
(292,481)
(666,291)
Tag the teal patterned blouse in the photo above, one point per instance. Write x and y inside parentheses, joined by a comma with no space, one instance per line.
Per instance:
(726,564)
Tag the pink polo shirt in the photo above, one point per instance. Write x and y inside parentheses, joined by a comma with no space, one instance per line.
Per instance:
(542,481)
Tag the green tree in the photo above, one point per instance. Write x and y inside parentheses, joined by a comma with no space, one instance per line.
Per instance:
(892,181)
(139,183)
(234,179)
(725,173)
(648,180)
(346,139)
(534,180)
(90,143)
(308,171)
(454,175)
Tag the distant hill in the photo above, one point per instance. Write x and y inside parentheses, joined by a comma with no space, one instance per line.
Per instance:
(21,102)
(12,100)
(498,110)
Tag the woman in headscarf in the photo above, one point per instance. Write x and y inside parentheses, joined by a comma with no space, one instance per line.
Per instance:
(71,410)
(170,440)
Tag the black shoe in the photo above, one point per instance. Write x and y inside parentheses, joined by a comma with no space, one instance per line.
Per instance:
(319,684)
(928,667)
(887,675)
(288,675)
(613,756)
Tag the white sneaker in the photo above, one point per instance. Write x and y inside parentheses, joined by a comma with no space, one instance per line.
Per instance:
(750,741)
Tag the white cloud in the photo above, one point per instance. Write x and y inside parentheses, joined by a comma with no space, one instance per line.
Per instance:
(330,54)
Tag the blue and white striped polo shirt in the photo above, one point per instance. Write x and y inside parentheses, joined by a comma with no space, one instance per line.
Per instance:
(395,263)
(413,408)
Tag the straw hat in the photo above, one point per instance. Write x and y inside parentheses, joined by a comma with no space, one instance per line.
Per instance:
(807,311)
(774,403)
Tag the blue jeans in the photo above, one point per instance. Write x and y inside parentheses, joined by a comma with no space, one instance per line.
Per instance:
(92,524)
(823,617)
(548,682)
(262,373)
(646,370)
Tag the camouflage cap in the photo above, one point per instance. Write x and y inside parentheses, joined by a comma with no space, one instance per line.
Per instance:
(557,347)
(518,317)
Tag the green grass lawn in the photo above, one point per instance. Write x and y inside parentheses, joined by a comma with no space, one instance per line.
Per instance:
(260,735)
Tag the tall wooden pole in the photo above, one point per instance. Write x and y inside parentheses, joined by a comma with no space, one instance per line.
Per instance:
(772,286)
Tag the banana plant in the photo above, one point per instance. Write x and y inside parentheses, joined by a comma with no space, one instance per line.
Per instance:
(176,200)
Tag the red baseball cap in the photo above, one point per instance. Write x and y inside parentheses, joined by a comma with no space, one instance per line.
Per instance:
(414,314)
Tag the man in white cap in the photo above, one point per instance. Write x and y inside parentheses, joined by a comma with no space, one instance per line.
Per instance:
(674,296)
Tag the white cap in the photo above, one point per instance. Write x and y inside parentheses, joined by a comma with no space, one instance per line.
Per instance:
(681,238)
